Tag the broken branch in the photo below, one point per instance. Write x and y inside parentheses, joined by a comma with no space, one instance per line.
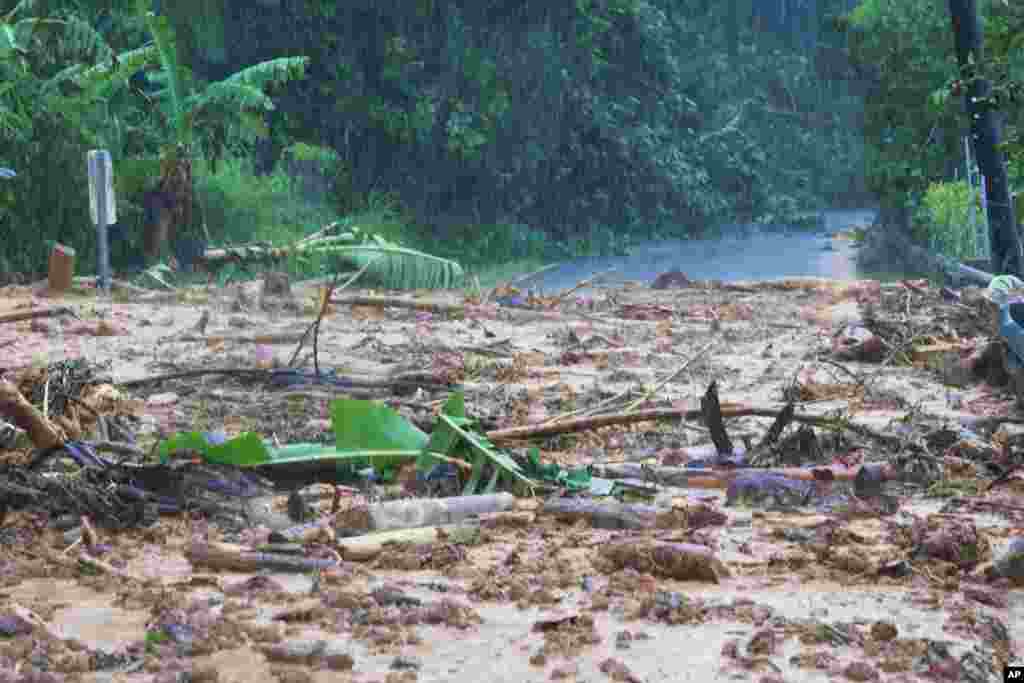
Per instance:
(40,431)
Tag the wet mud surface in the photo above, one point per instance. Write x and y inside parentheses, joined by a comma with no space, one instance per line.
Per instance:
(810,594)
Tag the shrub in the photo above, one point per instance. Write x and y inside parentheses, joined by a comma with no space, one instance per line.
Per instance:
(943,220)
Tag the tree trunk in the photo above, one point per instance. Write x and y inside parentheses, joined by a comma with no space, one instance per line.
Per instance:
(985,134)
(177,191)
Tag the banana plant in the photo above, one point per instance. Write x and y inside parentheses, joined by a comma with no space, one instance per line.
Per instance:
(240,98)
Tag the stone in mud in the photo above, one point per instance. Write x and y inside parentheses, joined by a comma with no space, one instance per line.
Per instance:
(767,488)
(12,625)
(681,561)
(671,280)
(869,480)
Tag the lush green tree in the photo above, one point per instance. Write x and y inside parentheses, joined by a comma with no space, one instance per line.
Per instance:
(190,106)
(601,111)
(915,121)
(591,118)
(61,91)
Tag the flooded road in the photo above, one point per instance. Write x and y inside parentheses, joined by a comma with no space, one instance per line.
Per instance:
(744,253)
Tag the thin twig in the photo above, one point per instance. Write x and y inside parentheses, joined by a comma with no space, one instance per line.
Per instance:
(585,412)
(524,278)
(46,397)
(583,283)
(316,327)
(856,377)
(728,411)
(658,387)
(324,303)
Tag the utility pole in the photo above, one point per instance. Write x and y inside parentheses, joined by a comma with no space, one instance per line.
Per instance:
(985,135)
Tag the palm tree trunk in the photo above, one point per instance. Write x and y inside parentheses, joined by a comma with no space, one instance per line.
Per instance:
(176,185)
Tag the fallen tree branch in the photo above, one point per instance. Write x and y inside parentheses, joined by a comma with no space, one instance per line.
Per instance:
(689,477)
(398,381)
(366,547)
(396,302)
(31,315)
(282,338)
(728,411)
(584,283)
(223,556)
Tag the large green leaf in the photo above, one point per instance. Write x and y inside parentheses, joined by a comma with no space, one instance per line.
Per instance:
(270,72)
(387,264)
(128,63)
(443,440)
(245,450)
(480,446)
(401,268)
(163,35)
(368,433)
(372,426)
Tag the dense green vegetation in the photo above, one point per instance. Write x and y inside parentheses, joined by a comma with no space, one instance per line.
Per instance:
(914,119)
(483,131)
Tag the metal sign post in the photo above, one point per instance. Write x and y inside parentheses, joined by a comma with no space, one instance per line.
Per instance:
(102,210)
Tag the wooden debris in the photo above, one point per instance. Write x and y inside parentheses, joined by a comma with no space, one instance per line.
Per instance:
(279,338)
(728,411)
(223,556)
(363,548)
(689,477)
(40,431)
(38,313)
(61,268)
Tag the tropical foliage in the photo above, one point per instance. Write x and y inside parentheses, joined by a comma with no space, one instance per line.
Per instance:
(575,126)
(914,120)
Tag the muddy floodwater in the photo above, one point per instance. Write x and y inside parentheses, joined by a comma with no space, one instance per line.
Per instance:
(867,590)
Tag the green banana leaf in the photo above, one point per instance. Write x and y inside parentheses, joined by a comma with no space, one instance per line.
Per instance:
(397,267)
(443,440)
(369,434)
(244,450)
(390,265)
(372,425)
(576,479)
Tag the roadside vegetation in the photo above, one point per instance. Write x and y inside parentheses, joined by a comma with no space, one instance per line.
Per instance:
(577,132)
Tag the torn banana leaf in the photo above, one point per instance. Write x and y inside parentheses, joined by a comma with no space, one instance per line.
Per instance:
(454,435)
(483,451)
(244,450)
(576,479)
(369,434)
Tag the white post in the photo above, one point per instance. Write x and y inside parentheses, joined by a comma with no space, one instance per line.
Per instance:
(102,210)
(969,177)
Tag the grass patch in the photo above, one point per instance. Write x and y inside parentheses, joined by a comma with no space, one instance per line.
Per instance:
(239,206)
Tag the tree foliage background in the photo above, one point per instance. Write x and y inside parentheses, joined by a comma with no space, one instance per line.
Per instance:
(915,122)
(631,117)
